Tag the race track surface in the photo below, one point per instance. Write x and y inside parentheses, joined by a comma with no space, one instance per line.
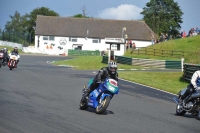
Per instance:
(38,97)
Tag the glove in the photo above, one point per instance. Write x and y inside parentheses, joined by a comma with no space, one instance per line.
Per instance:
(197,88)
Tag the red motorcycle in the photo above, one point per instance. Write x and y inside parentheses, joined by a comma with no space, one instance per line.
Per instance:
(13,61)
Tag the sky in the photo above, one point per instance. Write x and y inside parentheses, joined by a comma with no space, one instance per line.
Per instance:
(104,9)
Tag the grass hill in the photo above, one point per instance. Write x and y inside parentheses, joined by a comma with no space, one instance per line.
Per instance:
(190,46)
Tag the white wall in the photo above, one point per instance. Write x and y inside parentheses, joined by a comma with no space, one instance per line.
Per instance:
(11,44)
(87,44)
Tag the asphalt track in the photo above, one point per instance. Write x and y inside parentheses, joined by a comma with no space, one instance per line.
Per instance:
(41,98)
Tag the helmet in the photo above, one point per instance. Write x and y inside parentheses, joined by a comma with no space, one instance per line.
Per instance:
(112,67)
(15,49)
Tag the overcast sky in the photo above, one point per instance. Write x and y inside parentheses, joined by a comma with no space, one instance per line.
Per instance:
(105,9)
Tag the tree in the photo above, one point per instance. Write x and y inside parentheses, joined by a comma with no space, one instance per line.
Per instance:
(17,23)
(33,16)
(79,16)
(83,15)
(163,16)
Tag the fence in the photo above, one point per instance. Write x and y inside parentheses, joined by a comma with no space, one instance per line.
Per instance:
(157,52)
(83,52)
(188,70)
(164,64)
(11,44)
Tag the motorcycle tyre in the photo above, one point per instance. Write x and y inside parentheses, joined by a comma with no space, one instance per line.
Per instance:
(83,105)
(198,115)
(106,101)
(11,65)
(180,113)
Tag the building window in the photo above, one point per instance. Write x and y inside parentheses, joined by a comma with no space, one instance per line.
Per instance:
(70,39)
(51,38)
(45,38)
(118,46)
(74,39)
(95,41)
(115,47)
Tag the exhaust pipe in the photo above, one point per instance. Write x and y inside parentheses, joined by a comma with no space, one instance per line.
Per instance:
(176,100)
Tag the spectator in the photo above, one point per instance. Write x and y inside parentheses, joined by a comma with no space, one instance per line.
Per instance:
(130,44)
(184,34)
(196,31)
(190,32)
(166,37)
(152,38)
(181,33)
(127,46)
(134,46)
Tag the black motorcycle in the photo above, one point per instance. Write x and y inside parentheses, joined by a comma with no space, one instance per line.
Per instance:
(190,104)
(1,58)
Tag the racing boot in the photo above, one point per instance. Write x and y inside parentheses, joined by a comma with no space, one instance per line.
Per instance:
(86,93)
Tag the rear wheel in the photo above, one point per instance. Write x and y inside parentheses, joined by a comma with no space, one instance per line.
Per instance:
(103,105)
(179,110)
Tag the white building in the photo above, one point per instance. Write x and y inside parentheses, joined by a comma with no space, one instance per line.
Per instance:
(55,35)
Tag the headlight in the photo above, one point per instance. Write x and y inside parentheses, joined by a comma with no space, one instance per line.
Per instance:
(111,88)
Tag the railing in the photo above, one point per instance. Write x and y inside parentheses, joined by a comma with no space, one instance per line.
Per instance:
(164,64)
(83,52)
(189,69)
(157,52)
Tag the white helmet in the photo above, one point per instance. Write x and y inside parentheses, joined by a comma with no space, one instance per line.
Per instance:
(112,67)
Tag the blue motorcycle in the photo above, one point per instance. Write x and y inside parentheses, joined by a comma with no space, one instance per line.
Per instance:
(99,99)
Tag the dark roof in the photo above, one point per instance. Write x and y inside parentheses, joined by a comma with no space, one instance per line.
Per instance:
(98,28)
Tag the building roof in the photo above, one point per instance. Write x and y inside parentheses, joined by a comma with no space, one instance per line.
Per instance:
(92,28)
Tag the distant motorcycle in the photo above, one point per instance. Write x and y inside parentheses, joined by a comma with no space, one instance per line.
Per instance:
(192,106)
(13,60)
(1,58)
(99,99)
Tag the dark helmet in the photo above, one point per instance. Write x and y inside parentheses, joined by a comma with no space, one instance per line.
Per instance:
(15,49)
(112,67)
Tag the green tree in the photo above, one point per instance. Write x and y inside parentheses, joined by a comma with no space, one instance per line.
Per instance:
(163,16)
(17,23)
(79,16)
(83,15)
(33,16)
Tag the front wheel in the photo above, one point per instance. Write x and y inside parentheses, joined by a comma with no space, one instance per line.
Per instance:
(103,105)
(198,115)
(12,65)
(179,110)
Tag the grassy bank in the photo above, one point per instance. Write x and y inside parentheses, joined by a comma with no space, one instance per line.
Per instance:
(190,46)
(167,81)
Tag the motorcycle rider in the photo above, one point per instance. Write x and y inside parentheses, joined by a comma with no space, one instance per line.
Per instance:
(15,52)
(5,52)
(194,85)
(110,71)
